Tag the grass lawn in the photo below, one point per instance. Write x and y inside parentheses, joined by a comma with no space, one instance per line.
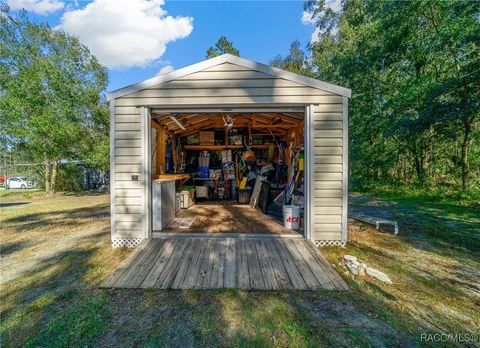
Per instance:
(55,251)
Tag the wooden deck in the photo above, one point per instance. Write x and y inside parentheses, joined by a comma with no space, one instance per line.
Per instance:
(244,262)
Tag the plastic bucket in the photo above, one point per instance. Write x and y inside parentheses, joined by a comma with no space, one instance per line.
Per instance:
(291,217)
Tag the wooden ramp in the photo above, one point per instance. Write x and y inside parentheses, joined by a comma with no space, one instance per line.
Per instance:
(204,262)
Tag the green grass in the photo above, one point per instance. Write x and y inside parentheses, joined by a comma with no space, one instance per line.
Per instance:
(56,251)
(19,193)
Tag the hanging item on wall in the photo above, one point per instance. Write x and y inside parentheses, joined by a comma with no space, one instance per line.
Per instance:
(248,156)
(228,121)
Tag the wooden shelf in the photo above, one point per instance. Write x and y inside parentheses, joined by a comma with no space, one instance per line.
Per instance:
(224,147)
(261,147)
(182,177)
(212,147)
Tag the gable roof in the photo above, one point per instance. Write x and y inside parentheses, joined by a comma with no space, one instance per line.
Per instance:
(228,58)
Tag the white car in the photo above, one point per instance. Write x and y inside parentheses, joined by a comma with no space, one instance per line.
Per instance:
(19,182)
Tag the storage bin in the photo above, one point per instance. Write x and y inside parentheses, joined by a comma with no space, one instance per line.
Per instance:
(244,196)
(207,137)
(187,197)
(203,172)
(201,191)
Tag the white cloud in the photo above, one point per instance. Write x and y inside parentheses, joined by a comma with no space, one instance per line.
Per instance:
(41,7)
(334,5)
(165,70)
(126,33)
(314,38)
(307,18)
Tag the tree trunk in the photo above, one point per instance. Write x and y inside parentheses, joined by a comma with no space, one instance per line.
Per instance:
(54,175)
(47,173)
(467,139)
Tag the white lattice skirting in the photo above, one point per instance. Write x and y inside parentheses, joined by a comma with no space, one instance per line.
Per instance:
(323,243)
(126,242)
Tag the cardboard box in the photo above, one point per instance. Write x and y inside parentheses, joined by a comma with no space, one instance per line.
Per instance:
(207,138)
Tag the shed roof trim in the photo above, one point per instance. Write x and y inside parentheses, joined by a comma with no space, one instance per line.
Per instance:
(228,58)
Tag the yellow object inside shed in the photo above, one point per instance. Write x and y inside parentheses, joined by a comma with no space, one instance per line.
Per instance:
(243,183)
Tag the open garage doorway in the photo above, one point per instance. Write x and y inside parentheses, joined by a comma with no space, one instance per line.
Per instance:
(228,171)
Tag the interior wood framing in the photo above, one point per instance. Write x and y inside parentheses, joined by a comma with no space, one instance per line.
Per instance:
(277,123)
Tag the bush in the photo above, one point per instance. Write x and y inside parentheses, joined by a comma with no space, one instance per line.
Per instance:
(70,178)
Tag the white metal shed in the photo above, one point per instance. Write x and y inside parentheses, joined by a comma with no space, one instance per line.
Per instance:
(229,83)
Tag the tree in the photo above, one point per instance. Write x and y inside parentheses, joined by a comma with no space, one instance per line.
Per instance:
(413,69)
(51,91)
(295,61)
(221,47)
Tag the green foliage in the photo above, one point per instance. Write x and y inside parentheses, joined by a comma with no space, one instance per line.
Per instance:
(52,91)
(70,177)
(221,47)
(295,61)
(413,67)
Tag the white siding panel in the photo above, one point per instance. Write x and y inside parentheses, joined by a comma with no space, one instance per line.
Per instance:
(327,168)
(128,143)
(320,227)
(328,150)
(225,75)
(327,124)
(128,151)
(130,126)
(128,160)
(213,99)
(327,116)
(128,192)
(128,185)
(125,176)
(327,211)
(128,217)
(227,67)
(128,168)
(231,83)
(325,184)
(127,118)
(327,133)
(328,219)
(130,209)
(327,202)
(127,135)
(326,159)
(130,111)
(128,201)
(322,107)
(326,193)
(128,225)
(318,142)
(231,92)
(327,176)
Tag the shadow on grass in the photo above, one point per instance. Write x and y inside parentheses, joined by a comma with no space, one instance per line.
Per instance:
(59,218)
(12,204)
(10,248)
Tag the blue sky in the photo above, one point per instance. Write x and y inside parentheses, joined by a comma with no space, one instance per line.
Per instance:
(259,30)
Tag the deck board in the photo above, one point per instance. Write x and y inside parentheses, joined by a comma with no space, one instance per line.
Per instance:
(216,263)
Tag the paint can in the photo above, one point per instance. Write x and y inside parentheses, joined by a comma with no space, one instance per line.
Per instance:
(291,217)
